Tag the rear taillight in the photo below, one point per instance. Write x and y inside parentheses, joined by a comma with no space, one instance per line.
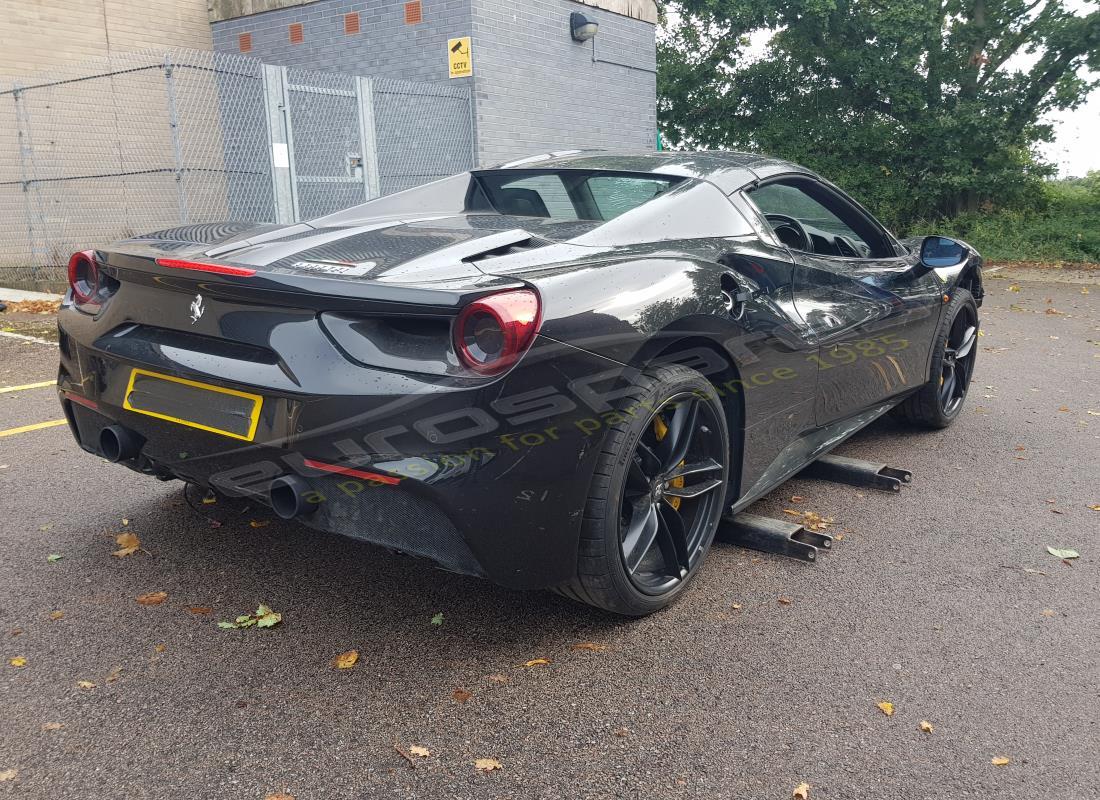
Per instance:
(491,333)
(83,275)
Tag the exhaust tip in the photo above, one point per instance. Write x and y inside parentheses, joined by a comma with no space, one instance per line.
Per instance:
(119,444)
(287,497)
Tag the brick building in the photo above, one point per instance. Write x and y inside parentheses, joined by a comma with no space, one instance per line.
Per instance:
(41,35)
(535,88)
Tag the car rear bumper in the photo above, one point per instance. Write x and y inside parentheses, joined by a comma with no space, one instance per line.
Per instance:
(486,479)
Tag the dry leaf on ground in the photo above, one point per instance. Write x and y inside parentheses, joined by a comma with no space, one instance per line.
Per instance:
(346,660)
(999,761)
(536,662)
(52,726)
(417,750)
(594,647)
(152,598)
(487,764)
(1063,554)
(461,695)
(85,684)
(263,618)
(56,615)
(8,774)
(926,726)
(802,791)
(18,661)
(128,544)
(785,601)
(886,707)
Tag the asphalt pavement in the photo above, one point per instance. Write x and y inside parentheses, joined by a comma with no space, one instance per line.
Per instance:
(768,673)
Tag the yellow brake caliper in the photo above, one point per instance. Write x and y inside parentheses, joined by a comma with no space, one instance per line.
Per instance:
(661,430)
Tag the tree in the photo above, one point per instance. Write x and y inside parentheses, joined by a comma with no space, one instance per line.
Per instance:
(913,105)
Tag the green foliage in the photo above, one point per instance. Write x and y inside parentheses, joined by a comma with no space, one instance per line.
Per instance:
(1063,226)
(907,104)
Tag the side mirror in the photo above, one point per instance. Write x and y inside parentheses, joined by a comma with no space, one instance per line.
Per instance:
(939,251)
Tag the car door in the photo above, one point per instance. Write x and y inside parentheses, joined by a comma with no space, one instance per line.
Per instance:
(869,302)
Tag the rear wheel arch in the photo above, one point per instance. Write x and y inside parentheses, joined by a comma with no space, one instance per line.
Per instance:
(701,353)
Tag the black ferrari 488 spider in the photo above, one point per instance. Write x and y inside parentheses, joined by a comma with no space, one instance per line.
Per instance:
(557,373)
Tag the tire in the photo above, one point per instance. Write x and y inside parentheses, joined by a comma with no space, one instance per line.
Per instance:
(926,407)
(617,507)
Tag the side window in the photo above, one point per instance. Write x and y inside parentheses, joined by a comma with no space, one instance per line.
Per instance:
(808,223)
(536,196)
(615,195)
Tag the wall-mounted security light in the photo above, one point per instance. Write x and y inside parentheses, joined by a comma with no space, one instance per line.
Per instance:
(582,27)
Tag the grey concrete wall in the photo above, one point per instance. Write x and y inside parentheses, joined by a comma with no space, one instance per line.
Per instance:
(538,90)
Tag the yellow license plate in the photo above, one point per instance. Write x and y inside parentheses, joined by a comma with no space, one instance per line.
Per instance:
(226,412)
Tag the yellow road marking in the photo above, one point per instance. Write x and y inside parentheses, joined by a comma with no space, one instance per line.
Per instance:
(35,427)
(27,386)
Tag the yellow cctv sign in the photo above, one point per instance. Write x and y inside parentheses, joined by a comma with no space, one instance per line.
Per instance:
(458,55)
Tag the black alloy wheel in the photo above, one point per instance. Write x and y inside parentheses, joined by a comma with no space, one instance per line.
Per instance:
(937,403)
(676,475)
(958,360)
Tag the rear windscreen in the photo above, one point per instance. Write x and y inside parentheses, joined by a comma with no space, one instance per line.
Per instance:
(566,194)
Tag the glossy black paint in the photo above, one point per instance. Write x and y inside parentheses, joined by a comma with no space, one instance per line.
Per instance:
(488,475)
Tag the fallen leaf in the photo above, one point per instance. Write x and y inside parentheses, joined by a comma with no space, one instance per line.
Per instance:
(622,733)
(114,675)
(802,791)
(999,761)
(204,610)
(461,695)
(926,726)
(1063,408)
(736,607)
(55,615)
(417,750)
(1063,554)
(785,601)
(487,764)
(346,660)
(797,498)
(263,618)
(1056,511)
(53,558)
(128,544)
(1095,507)
(209,499)
(499,678)
(594,647)
(45,527)
(792,512)
(8,775)
(160,648)
(1014,288)
(266,618)
(18,661)
(125,522)
(536,662)
(259,523)
(1048,612)
(437,619)
(886,707)
(85,684)
(152,598)
(52,726)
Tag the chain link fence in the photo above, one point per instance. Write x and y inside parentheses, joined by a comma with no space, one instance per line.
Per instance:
(136,142)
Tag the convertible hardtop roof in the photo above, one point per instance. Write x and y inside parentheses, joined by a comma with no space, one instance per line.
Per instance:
(727,169)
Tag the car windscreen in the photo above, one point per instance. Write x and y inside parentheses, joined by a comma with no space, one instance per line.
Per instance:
(565,194)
